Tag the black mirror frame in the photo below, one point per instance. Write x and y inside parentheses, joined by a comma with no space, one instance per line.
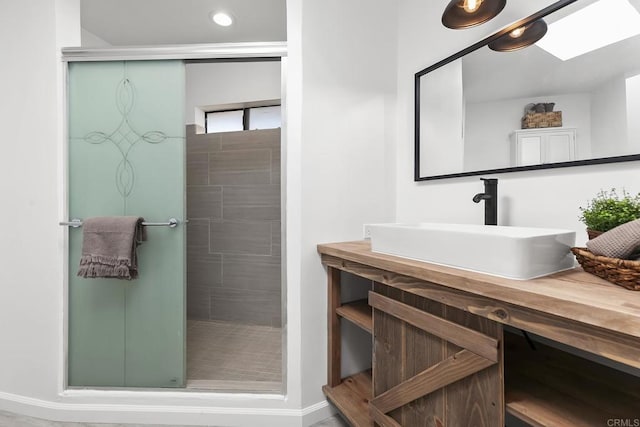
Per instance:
(525,21)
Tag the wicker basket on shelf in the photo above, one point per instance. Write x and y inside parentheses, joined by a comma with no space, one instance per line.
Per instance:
(542,120)
(622,272)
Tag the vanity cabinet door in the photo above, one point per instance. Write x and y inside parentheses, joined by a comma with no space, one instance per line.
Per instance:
(433,365)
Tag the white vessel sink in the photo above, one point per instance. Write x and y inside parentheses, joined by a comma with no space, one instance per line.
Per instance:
(512,252)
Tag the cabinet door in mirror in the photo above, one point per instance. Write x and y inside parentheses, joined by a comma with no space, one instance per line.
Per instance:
(479,110)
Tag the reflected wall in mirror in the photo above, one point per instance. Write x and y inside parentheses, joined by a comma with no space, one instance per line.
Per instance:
(470,107)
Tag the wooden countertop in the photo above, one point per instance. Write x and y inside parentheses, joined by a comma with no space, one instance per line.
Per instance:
(572,295)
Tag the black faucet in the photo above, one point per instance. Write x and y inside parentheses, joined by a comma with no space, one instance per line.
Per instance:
(490,197)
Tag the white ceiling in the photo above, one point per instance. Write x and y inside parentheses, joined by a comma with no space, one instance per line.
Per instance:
(525,73)
(159,22)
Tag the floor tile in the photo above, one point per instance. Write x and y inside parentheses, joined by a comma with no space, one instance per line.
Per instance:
(228,352)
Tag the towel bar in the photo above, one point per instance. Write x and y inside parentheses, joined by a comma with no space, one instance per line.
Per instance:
(172,223)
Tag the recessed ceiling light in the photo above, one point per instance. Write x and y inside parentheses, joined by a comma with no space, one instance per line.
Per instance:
(222,18)
(598,25)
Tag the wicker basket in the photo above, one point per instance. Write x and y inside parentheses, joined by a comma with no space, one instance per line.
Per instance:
(542,120)
(622,272)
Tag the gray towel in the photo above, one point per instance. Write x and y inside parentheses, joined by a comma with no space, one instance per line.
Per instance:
(109,247)
(619,242)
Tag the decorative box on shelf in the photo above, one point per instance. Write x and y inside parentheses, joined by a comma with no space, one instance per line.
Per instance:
(542,120)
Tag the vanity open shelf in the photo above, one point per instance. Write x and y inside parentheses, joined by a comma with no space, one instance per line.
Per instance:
(445,349)
(550,387)
(352,397)
(357,312)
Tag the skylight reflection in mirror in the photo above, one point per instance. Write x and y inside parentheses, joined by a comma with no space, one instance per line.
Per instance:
(586,30)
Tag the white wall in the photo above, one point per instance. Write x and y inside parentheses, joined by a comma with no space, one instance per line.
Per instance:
(488,127)
(441,108)
(30,248)
(543,198)
(91,40)
(633,112)
(212,84)
(346,158)
(609,106)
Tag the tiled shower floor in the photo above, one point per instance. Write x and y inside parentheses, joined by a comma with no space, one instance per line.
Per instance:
(228,356)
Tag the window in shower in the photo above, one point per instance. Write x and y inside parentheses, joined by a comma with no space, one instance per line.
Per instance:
(225,121)
(250,118)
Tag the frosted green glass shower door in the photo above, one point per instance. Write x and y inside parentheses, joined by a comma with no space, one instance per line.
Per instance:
(127,157)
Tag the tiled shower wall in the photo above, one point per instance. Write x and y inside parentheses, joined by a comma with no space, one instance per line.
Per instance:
(233,238)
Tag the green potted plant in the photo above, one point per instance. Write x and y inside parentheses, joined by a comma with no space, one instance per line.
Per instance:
(609,210)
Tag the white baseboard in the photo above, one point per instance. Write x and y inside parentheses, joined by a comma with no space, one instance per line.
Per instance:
(164,414)
(318,412)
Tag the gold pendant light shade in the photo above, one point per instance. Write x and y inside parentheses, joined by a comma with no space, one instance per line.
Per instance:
(468,13)
(520,37)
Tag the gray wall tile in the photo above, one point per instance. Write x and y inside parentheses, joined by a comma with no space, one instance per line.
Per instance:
(197,236)
(252,202)
(245,305)
(276,167)
(230,237)
(197,169)
(204,202)
(204,269)
(194,129)
(203,143)
(198,302)
(251,140)
(233,238)
(252,272)
(276,233)
(240,167)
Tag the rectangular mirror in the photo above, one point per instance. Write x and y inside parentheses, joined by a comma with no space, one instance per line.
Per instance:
(483,111)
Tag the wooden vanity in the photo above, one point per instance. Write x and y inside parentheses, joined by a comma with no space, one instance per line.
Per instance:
(454,348)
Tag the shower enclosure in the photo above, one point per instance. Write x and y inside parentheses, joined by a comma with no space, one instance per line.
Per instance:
(205,312)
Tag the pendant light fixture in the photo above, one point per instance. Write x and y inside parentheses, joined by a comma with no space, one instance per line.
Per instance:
(468,13)
(521,37)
